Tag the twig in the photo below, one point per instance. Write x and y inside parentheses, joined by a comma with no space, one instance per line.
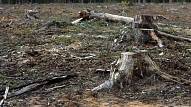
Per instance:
(4,96)
(50,89)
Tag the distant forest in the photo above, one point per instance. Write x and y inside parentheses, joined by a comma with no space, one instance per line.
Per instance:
(87,1)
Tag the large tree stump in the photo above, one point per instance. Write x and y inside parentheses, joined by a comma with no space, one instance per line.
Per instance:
(145,27)
(125,71)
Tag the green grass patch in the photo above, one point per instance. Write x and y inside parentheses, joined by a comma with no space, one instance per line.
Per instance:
(1,76)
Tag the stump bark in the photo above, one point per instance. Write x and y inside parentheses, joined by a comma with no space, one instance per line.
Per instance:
(145,27)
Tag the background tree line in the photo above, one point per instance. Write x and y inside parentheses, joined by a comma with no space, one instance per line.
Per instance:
(87,1)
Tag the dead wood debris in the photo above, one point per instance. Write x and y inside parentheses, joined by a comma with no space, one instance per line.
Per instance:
(144,26)
(50,89)
(84,57)
(1,10)
(33,86)
(30,14)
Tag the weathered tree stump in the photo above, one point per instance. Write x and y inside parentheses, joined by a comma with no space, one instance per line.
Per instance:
(126,70)
(145,27)
(126,66)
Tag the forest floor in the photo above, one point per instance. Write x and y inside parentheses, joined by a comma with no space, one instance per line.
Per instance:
(32,51)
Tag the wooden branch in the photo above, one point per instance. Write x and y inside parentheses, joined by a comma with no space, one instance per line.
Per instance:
(154,67)
(153,35)
(174,37)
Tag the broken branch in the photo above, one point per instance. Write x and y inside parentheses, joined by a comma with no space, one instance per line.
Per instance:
(174,37)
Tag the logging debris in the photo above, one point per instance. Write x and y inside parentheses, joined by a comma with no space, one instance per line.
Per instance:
(30,14)
(33,86)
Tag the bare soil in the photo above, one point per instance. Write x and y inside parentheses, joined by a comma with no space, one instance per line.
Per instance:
(30,51)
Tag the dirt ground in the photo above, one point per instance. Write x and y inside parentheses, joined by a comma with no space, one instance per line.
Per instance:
(31,51)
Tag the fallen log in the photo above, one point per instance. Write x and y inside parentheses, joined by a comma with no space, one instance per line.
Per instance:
(30,14)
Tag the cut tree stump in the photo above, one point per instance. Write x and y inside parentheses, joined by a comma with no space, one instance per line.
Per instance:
(88,14)
(145,26)
(30,14)
(124,73)
(125,70)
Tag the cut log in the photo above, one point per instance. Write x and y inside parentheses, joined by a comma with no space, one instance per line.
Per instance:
(30,14)
(85,14)
(124,73)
